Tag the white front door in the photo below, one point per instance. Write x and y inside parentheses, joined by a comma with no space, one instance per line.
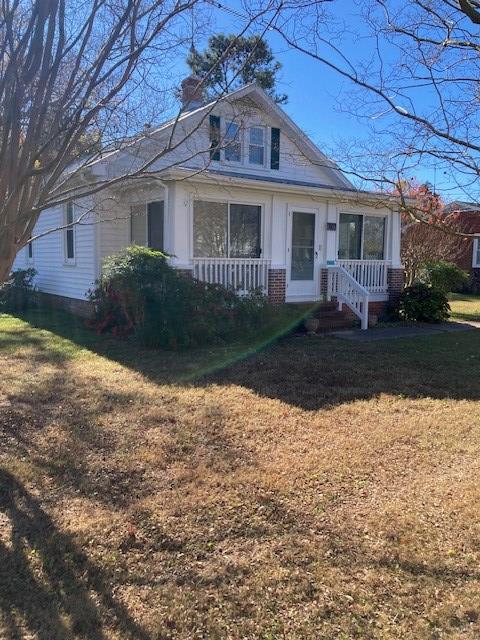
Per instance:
(303,277)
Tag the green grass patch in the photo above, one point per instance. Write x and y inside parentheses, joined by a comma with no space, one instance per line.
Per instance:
(464,306)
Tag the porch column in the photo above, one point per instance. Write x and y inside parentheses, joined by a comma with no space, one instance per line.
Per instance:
(330,246)
(180,226)
(331,239)
(277,274)
(396,240)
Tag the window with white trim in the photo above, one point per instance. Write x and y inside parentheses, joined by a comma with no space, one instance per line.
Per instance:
(69,232)
(233,146)
(476,253)
(361,237)
(29,250)
(226,230)
(256,146)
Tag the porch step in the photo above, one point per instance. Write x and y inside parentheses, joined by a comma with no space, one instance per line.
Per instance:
(323,307)
(333,323)
(331,319)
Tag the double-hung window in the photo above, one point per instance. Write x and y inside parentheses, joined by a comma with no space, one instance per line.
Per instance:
(232,142)
(29,251)
(69,232)
(223,230)
(361,237)
(256,146)
(233,146)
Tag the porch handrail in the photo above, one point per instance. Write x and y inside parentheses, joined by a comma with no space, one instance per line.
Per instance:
(343,286)
(241,274)
(372,274)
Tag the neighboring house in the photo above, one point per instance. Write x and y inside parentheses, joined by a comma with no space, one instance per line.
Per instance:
(465,217)
(247,200)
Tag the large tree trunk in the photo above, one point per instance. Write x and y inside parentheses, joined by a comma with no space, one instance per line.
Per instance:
(8,253)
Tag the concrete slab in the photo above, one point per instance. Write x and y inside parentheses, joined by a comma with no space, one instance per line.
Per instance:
(413,331)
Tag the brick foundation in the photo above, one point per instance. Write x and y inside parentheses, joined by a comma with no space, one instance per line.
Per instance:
(277,285)
(396,282)
(82,308)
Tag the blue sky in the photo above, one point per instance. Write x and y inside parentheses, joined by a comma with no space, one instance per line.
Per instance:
(315,91)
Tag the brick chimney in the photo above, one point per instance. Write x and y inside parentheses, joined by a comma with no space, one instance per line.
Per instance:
(191,94)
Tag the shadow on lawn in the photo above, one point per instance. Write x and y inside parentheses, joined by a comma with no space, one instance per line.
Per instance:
(309,373)
(65,584)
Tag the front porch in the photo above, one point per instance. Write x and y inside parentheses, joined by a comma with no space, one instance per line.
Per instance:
(355,283)
(291,247)
(245,274)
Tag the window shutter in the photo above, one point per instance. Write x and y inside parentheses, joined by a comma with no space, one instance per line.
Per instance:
(138,224)
(155,225)
(275,148)
(214,137)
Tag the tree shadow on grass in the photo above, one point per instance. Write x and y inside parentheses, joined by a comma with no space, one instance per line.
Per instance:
(309,373)
(48,586)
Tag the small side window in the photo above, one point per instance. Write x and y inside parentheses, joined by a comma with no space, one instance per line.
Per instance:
(30,252)
(69,233)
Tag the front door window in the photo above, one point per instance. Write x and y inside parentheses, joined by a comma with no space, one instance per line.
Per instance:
(303,246)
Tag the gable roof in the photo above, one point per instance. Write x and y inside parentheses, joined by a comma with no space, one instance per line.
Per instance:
(461,206)
(264,102)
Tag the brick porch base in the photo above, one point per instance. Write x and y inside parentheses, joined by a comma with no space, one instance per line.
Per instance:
(277,285)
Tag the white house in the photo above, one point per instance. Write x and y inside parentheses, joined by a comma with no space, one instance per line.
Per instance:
(242,197)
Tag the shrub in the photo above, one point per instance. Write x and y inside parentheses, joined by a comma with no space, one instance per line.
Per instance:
(139,293)
(472,285)
(18,292)
(422,303)
(444,276)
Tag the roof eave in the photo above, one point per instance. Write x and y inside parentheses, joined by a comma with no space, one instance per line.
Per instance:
(180,173)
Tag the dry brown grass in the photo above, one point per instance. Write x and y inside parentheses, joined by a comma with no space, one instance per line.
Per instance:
(320,489)
(464,306)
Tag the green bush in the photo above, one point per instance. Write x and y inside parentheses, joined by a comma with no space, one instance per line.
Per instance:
(444,276)
(18,292)
(422,303)
(139,293)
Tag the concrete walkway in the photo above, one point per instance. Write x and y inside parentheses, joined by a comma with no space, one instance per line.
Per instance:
(387,333)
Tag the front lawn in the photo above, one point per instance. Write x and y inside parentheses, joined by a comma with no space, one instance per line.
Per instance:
(464,306)
(317,489)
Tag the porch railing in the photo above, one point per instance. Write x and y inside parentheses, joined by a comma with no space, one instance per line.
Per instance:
(347,290)
(371,274)
(241,274)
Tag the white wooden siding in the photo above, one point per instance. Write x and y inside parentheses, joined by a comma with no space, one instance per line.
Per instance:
(54,274)
(114,235)
(294,165)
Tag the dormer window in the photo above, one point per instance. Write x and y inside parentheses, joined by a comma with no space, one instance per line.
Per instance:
(233,147)
(256,146)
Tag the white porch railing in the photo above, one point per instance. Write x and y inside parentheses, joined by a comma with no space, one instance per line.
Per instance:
(346,289)
(371,274)
(242,274)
